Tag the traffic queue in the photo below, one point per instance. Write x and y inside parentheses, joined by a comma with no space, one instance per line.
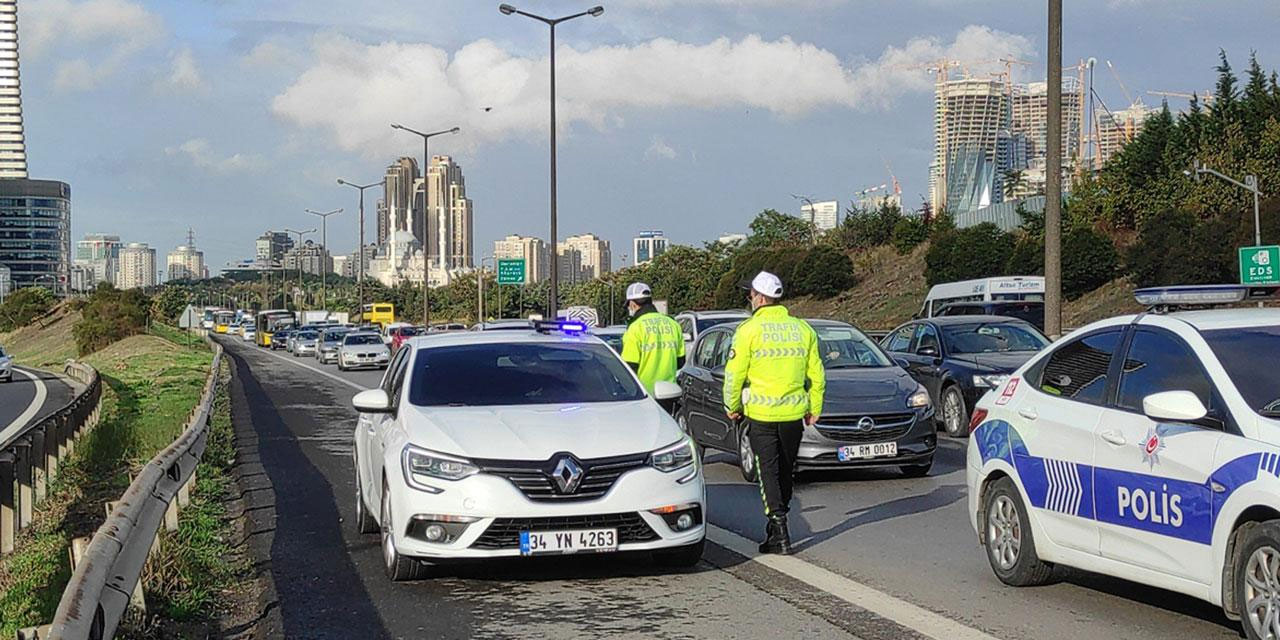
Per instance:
(1145,446)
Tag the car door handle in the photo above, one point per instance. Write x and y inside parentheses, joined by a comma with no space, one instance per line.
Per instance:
(1028,413)
(1113,436)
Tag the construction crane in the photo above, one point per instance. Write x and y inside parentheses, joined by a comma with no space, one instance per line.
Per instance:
(1127,96)
(1206,97)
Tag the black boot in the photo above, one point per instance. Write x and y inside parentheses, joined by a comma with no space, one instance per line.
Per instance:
(778,537)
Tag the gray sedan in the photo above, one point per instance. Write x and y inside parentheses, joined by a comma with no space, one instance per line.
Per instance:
(304,343)
(363,350)
(330,340)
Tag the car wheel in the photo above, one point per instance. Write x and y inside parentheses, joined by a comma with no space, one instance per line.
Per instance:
(398,568)
(1007,537)
(340,367)
(686,556)
(682,418)
(364,520)
(955,418)
(1257,580)
(917,470)
(746,457)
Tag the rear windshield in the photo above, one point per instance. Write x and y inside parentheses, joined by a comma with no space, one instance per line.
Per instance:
(307,335)
(519,374)
(1249,356)
(707,323)
(362,339)
(848,348)
(407,331)
(992,337)
(334,335)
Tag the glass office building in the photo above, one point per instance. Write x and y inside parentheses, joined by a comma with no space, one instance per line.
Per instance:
(35,232)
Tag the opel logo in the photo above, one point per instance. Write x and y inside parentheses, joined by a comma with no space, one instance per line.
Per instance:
(866,424)
(568,474)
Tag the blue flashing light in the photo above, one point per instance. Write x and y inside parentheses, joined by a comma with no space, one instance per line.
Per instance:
(1192,295)
(567,327)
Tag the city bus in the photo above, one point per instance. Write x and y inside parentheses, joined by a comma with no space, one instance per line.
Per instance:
(206,318)
(379,313)
(222,319)
(269,322)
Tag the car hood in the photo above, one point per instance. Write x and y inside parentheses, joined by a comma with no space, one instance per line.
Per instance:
(996,362)
(861,391)
(594,430)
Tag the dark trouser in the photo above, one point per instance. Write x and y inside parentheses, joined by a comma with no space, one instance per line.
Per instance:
(776,445)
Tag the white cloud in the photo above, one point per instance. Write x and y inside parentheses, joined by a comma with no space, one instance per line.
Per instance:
(184,74)
(271,55)
(660,149)
(355,91)
(201,154)
(112,30)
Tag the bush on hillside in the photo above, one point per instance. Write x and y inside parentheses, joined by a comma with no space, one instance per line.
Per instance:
(979,251)
(23,306)
(1089,260)
(1176,248)
(823,273)
(863,229)
(1027,258)
(110,315)
(909,233)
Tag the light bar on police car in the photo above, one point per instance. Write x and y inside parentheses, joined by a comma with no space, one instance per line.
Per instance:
(1191,294)
(569,327)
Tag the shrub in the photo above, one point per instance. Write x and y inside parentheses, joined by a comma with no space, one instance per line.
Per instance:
(23,306)
(979,251)
(823,273)
(109,315)
(1027,258)
(1089,260)
(1175,248)
(863,229)
(909,233)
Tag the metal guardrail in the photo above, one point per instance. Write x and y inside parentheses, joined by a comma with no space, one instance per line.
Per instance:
(106,576)
(29,459)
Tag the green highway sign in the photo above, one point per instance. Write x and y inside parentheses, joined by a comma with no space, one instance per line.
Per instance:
(511,271)
(1260,265)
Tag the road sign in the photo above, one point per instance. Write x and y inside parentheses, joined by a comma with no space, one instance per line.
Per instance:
(1260,265)
(189,318)
(511,271)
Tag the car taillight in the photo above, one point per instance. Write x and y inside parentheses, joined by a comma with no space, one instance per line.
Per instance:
(978,416)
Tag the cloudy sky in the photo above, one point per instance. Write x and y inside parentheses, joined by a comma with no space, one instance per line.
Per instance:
(232,116)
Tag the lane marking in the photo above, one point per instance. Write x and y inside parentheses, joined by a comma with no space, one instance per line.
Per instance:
(37,403)
(860,595)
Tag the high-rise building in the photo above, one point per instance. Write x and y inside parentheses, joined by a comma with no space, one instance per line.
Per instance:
(1118,128)
(344,265)
(6,282)
(99,254)
(35,232)
(384,228)
(448,212)
(13,148)
(537,259)
(269,248)
(823,215)
(971,127)
(569,262)
(1030,106)
(396,211)
(311,258)
(648,245)
(186,262)
(593,255)
(732,239)
(137,266)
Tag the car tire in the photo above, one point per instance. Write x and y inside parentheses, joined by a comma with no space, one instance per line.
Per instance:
(686,556)
(955,417)
(364,520)
(398,568)
(746,457)
(917,470)
(1006,535)
(340,367)
(1257,551)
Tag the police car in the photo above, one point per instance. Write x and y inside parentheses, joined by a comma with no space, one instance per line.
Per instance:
(1145,447)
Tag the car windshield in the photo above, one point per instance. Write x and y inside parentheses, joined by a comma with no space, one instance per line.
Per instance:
(707,323)
(405,332)
(992,337)
(1249,356)
(359,339)
(306,335)
(518,374)
(334,336)
(848,348)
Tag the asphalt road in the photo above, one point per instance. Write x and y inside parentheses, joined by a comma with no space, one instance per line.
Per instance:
(30,397)
(902,548)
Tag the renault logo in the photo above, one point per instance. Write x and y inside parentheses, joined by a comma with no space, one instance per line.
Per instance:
(866,424)
(568,474)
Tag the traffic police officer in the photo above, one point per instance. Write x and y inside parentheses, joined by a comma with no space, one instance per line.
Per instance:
(773,355)
(653,344)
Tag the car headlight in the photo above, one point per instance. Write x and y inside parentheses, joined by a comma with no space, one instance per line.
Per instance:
(989,380)
(420,464)
(674,457)
(919,399)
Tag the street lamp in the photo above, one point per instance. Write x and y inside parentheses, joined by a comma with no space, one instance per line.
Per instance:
(480,289)
(426,165)
(594,12)
(813,211)
(1250,184)
(297,257)
(324,248)
(360,253)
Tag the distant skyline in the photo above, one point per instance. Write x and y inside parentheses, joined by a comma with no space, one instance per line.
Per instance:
(689,116)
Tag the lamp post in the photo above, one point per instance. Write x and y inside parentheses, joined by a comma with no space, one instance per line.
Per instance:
(360,252)
(594,12)
(426,165)
(297,257)
(480,289)
(1053,177)
(813,229)
(1250,184)
(324,249)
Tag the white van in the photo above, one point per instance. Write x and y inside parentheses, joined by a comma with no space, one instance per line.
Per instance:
(982,290)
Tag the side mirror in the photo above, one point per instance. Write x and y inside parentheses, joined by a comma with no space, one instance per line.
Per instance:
(927,352)
(718,373)
(663,390)
(372,401)
(1174,406)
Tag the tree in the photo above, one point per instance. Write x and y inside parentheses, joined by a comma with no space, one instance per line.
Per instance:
(909,233)
(771,228)
(1015,180)
(823,273)
(979,251)
(23,306)
(862,229)
(110,315)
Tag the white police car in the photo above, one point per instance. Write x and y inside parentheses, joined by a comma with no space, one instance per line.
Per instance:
(1145,447)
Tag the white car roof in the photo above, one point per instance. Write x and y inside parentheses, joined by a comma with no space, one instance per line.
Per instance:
(497,337)
(1210,320)
(731,313)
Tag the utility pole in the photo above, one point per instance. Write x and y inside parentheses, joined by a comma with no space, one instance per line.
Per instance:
(1053,179)
(360,254)
(324,251)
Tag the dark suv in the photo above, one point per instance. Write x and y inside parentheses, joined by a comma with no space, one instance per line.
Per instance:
(874,414)
(959,358)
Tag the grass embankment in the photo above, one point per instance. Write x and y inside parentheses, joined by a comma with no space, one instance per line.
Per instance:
(149,386)
(46,343)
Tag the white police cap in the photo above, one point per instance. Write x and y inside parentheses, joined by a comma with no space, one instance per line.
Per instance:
(639,291)
(768,284)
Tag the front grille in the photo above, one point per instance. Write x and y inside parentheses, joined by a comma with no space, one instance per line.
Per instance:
(504,533)
(889,426)
(534,477)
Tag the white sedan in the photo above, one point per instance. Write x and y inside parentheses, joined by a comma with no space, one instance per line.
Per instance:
(510,443)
